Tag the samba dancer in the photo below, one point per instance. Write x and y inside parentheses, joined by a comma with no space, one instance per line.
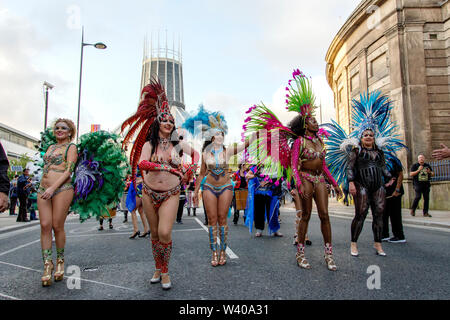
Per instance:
(158,151)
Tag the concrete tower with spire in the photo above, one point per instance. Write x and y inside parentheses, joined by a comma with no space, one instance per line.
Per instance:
(166,64)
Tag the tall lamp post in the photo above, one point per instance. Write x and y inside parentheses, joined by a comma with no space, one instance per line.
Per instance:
(98,45)
(46,86)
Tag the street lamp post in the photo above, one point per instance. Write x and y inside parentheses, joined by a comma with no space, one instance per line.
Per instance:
(47,86)
(98,45)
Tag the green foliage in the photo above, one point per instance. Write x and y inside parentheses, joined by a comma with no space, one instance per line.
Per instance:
(23,160)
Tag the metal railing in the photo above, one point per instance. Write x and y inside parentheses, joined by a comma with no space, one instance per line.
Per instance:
(441,169)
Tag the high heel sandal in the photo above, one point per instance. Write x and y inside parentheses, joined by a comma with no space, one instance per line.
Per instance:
(300,257)
(301,261)
(48,270)
(59,273)
(331,265)
(156,279)
(135,234)
(145,234)
(167,285)
(379,252)
(222,258)
(214,259)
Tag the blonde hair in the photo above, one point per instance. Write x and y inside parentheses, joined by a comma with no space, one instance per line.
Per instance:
(70,124)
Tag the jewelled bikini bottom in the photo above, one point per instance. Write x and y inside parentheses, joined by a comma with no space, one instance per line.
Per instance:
(158,197)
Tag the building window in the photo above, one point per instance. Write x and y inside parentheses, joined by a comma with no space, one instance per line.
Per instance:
(378,66)
(433,36)
(354,82)
(341,92)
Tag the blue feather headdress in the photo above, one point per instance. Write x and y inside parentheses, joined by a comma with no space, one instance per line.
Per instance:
(206,123)
(371,112)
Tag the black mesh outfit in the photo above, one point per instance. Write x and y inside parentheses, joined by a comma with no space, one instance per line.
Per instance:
(367,169)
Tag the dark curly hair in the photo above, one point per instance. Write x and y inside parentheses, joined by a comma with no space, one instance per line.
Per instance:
(153,137)
(297,125)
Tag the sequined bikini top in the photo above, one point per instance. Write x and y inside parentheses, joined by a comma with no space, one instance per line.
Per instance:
(55,159)
(214,166)
(311,154)
(174,159)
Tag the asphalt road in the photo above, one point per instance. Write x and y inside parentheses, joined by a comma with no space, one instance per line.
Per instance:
(111,266)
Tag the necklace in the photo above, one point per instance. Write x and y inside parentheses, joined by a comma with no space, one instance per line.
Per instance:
(164,143)
(313,139)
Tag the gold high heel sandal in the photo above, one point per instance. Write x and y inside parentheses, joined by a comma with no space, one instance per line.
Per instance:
(214,259)
(223,257)
(48,270)
(59,273)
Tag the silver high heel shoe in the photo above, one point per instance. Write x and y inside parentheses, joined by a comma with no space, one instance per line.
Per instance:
(166,286)
(157,279)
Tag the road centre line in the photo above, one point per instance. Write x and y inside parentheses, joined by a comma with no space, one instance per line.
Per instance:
(228,251)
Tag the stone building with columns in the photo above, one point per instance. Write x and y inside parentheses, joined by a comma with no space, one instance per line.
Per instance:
(401,47)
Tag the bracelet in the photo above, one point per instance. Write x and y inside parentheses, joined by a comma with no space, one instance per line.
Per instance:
(397,190)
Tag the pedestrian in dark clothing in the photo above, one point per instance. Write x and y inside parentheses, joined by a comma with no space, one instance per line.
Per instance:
(181,202)
(4,181)
(421,173)
(393,207)
(13,196)
(22,193)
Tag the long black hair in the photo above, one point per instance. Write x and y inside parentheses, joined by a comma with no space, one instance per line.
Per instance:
(153,138)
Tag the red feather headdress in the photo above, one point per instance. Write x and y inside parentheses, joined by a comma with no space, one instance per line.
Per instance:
(153,104)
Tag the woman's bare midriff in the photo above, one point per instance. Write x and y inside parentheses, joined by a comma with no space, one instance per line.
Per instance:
(50,178)
(313,166)
(217,183)
(161,180)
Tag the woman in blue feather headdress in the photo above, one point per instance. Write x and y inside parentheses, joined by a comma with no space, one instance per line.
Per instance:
(361,161)
(218,187)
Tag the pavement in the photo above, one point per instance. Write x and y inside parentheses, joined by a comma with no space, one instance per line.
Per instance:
(439,219)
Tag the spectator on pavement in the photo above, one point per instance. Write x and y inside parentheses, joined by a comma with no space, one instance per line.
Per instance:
(441,154)
(393,207)
(23,184)
(4,181)
(13,196)
(421,173)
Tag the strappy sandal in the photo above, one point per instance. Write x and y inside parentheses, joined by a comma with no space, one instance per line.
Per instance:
(223,258)
(46,279)
(214,259)
(301,261)
(59,273)
(331,265)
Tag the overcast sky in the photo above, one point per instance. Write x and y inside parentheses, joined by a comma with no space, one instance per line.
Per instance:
(235,54)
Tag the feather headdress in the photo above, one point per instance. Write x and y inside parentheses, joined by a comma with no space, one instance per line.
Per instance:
(153,105)
(205,123)
(371,112)
(300,97)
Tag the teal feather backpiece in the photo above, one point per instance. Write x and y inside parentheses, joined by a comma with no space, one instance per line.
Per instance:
(100,173)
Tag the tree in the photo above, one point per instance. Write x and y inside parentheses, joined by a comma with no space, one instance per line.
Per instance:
(23,160)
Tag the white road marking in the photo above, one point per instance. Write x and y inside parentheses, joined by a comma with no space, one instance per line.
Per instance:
(19,247)
(87,280)
(228,251)
(8,297)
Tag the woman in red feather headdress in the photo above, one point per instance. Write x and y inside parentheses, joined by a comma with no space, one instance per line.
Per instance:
(158,151)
